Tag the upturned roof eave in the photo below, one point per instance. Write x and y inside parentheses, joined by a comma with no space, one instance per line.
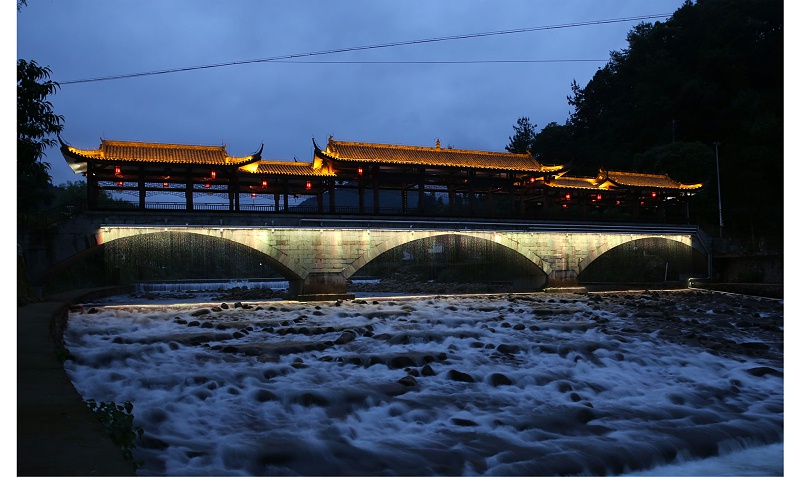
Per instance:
(86,156)
(675,186)
(536,169)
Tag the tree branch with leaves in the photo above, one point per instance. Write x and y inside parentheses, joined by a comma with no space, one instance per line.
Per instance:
(524,135)
(36,125)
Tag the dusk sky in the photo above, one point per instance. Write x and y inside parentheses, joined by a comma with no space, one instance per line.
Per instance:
(414,72)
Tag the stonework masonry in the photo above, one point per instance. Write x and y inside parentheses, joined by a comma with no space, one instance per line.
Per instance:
(320,260)
(317,257)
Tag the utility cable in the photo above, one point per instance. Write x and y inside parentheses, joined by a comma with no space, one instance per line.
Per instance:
(427,62)
(368,47)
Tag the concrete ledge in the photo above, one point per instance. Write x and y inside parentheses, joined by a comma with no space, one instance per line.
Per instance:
(767,290)
(325,297)
(565,290)
(57,434)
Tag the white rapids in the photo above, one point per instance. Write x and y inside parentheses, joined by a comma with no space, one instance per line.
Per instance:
(533,384)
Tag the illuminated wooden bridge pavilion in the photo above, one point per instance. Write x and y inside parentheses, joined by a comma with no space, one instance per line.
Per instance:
(372,179)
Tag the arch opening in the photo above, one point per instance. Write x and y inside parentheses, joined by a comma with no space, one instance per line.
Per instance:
(448,263)
(163,256)
(646,261)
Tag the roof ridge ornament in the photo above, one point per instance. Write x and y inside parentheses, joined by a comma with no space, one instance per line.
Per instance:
(63,144)
(258,153)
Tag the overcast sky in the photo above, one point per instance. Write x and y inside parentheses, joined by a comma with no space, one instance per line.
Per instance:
(404,94)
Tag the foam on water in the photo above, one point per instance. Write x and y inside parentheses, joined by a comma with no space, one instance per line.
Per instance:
(518,385)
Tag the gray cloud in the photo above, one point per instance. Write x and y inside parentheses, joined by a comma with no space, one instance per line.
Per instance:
(284,105)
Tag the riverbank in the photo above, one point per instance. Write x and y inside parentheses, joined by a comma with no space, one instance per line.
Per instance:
(57,434)
(444,385)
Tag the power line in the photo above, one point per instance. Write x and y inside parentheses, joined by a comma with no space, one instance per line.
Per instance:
(280,58)
(429,62)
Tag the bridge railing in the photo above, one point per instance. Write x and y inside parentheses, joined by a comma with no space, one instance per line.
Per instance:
(462,211)
(509,225)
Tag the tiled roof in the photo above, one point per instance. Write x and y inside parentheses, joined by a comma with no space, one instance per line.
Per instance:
(613,179)
(161,153)
(658,181)
(286,169)
(566,182)
(433,156)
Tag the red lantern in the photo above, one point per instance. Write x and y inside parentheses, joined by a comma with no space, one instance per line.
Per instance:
(117,170)
(264,184)
(653,195)
(166,184)
(308,185)
(208,186)
(599,196)
(568,196)
(119,184)
(361,171)
(253,195)
(213,174)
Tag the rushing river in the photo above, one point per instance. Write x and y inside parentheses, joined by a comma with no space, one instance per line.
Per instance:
(646,383)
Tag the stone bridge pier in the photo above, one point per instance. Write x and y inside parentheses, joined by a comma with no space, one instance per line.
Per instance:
(318,261)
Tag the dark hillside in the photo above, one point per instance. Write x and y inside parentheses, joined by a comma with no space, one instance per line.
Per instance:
(712,73)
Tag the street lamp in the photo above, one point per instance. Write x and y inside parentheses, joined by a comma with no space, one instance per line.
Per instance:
(719,191)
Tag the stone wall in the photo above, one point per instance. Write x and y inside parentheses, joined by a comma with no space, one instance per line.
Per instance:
(752,269)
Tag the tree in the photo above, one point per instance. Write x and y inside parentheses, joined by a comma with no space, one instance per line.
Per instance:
(36,124)
(524,134)
(553,145)
(74,192)
(713,72)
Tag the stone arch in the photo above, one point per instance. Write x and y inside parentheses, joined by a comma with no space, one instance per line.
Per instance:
(274,258)
(509,241)
(609,244)
(397,240)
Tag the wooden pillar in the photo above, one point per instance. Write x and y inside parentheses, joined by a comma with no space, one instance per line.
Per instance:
(376,190)
(360,195)
(92,191)
(586,199)
(421,199)
(189,190)
(686,202)
(233,186)
(332,192)
(546,202)
(512,196)
(471,193)
(277,198)
(451,198)
(140,186)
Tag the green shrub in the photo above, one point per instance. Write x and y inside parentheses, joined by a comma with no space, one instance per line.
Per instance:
(117,421)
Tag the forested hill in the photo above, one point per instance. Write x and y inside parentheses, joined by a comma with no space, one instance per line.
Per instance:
(711,73)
